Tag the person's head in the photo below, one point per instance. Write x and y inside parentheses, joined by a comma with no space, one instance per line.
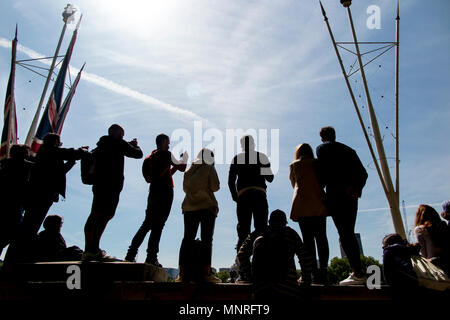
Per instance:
(116,131)
(391,239)
(19,151)
(427,216)
(446,210)
(277,219)
(303,150)
(206,156)
(247,143)
(162,142)
(53,223)
(52,139)
(328,134)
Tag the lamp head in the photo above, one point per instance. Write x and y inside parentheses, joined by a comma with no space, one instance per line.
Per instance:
(346,3)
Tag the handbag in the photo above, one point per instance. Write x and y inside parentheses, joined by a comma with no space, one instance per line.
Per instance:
(429,275)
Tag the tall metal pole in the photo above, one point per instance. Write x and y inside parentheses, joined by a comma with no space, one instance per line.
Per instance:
(355,104)
(394,207)
(397,133)
(67,15)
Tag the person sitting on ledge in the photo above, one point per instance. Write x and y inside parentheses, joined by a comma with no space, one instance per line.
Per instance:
(272,269)
(50,244)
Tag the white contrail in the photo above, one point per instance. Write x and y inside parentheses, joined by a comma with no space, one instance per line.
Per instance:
(386,209)
(113,86)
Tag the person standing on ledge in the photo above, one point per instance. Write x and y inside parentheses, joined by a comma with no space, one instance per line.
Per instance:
(344,177)
(252,170)
(109,165)
(157,170)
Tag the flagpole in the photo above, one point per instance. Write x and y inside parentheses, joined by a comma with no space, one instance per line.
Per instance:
(394,208)
(67,14)
(12,132)
(355,104)
(397,133)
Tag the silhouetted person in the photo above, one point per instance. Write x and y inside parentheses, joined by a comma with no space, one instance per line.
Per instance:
(108,183)
(157,170)
(252,170)
(199,207)
(50,244)
(397,267)
(445,214)
(272,269)
(308,207)
(14,190)
(433,237)
(344,177)
(48,182)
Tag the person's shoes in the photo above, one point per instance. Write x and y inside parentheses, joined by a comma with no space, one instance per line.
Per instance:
(211,279)
(130,259)
(99,256)
(353,280)
(131,255)
(179,278)
(154,262)
(304,282)
(242,280)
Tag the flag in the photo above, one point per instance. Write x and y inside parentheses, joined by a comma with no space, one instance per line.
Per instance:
(66,105)
(9,133)
(50,118)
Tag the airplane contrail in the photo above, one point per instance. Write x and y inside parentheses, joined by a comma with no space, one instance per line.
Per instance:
(112,86)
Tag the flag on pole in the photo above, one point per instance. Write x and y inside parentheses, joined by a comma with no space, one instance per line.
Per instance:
(9,133)
(66,105)
(50,118)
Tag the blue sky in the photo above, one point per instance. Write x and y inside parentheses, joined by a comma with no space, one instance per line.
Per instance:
(157,66)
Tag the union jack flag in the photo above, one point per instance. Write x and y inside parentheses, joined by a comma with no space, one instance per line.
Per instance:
(53,118)
(9,133)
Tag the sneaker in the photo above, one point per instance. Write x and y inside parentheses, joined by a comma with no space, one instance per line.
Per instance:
(211,279)
(179,278)
(353,280)
(99,256)
(130,259)
(242,280)
(154,263)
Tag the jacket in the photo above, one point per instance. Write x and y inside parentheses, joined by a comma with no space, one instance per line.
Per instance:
(110,160)
(49,173)
(199,183)
(309,198)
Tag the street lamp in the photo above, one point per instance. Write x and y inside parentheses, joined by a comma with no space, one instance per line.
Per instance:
(346,3)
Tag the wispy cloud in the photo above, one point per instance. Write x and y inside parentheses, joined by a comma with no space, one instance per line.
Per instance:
(114,86)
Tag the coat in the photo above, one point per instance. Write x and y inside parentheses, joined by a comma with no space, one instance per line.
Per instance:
(199,183)
(308,199)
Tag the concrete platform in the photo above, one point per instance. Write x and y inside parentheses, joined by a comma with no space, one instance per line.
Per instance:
(89,271)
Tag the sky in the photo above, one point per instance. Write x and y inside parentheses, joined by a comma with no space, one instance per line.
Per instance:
(197,69)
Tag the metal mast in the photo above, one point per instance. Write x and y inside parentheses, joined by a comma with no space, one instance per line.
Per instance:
(384,173)
(68,16)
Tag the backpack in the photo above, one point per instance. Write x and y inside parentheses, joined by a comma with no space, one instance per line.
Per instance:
(147,168)
(88,163)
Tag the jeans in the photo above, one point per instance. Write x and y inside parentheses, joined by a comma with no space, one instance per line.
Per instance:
(343,210)
(192,220)
(159,203)
(314,232)
(251,203)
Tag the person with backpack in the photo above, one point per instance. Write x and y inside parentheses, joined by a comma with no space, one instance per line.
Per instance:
(308,208)
(107,185)
(199,207)
(252,170)
(157,169)
(344,178)
(272,269)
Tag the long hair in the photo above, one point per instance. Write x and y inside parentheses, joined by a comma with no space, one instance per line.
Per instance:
(303,150)
(429,218)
